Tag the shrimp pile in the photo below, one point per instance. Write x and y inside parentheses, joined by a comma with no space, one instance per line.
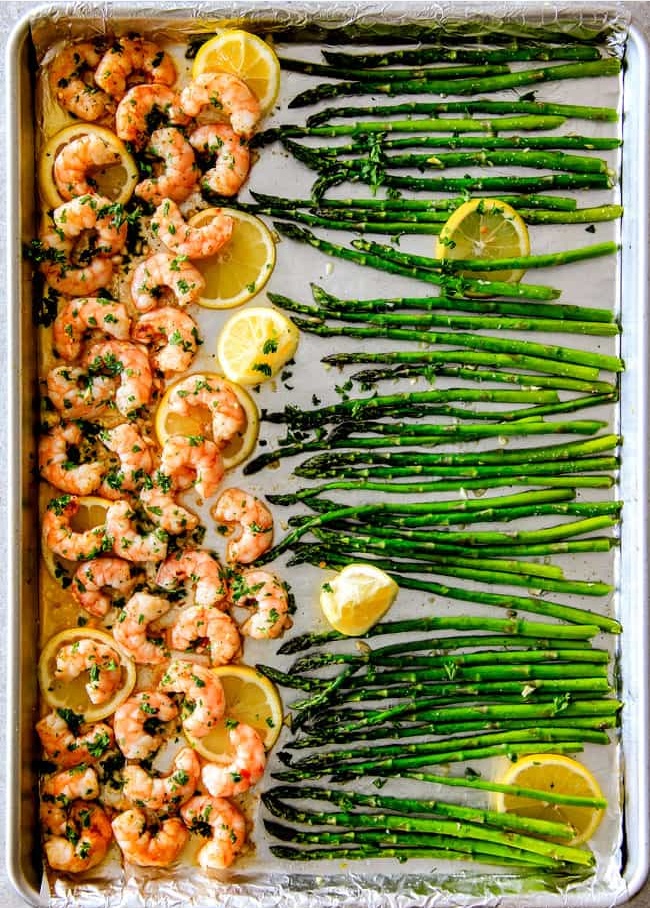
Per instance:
(118,518)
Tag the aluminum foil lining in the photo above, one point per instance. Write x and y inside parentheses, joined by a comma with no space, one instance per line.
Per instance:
(394,886)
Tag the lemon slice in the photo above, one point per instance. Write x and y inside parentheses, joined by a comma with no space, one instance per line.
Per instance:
(255,343)
(245,55)
(115,181)
(484,228)
(60,694)
(91,513)
(356,598)
(250,698)
(236,451)
(561,775)
(242,267)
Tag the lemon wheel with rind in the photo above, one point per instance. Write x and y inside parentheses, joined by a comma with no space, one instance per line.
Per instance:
(559,774)
(485,228)
(71,694)
(241,269)
(251,698)
(244,55)
(237,450)
(115,182)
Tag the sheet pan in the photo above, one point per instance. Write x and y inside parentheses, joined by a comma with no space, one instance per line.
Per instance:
(351,887)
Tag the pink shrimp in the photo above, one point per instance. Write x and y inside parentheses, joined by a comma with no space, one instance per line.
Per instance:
(62,460)
(226,93)
(201,392)
(135,458)
(102,583)
(204,701)
(163,510)
(76,393)
(133,59)
(182,239)
(236,774)
(142,722)
(81,317)
(269,596)
(174,336)
(70,77)
(101,662)
(231,154)
(70,746)
(227,826)
(206,625)
(59,536)
(149,842)
(132,628)
(198,569)
(75,163)
(127,540)
(131,363)
(191,460)
(164,794)
(143,104)
(84,840)
(164,274)
(252,521)
(178,170)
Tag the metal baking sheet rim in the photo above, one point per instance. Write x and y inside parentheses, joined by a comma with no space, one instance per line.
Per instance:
(634,482)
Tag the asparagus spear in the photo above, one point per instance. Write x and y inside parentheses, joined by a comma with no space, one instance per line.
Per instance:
(419,55)
(470,86)
(552,203)
(482,105)
(356,73)
(453,284)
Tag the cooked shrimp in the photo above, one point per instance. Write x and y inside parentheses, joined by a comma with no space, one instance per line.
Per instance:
(100,661)
(204,699)
(84,842)
(226,93)
(74,219)
(206,625)
(174,336)
(75,280)
(232,157)
(61,463)
(193,460)
(70,746)
(269,595)
(195,242)
(102,583)
(178,170)
(227,826)
(251,519)
(81,317)
(166,512)
(132,627)
(235,775)
(78,394)
(70,69)
(199,570)
(80,237)
(163,793)
(135,459)
(141,723)
(128,543)
(131,363)
(148,842)
(144,105)
(65,786)
(135,60)
(198,391)
(59,536)
(74,164)
(163,274)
